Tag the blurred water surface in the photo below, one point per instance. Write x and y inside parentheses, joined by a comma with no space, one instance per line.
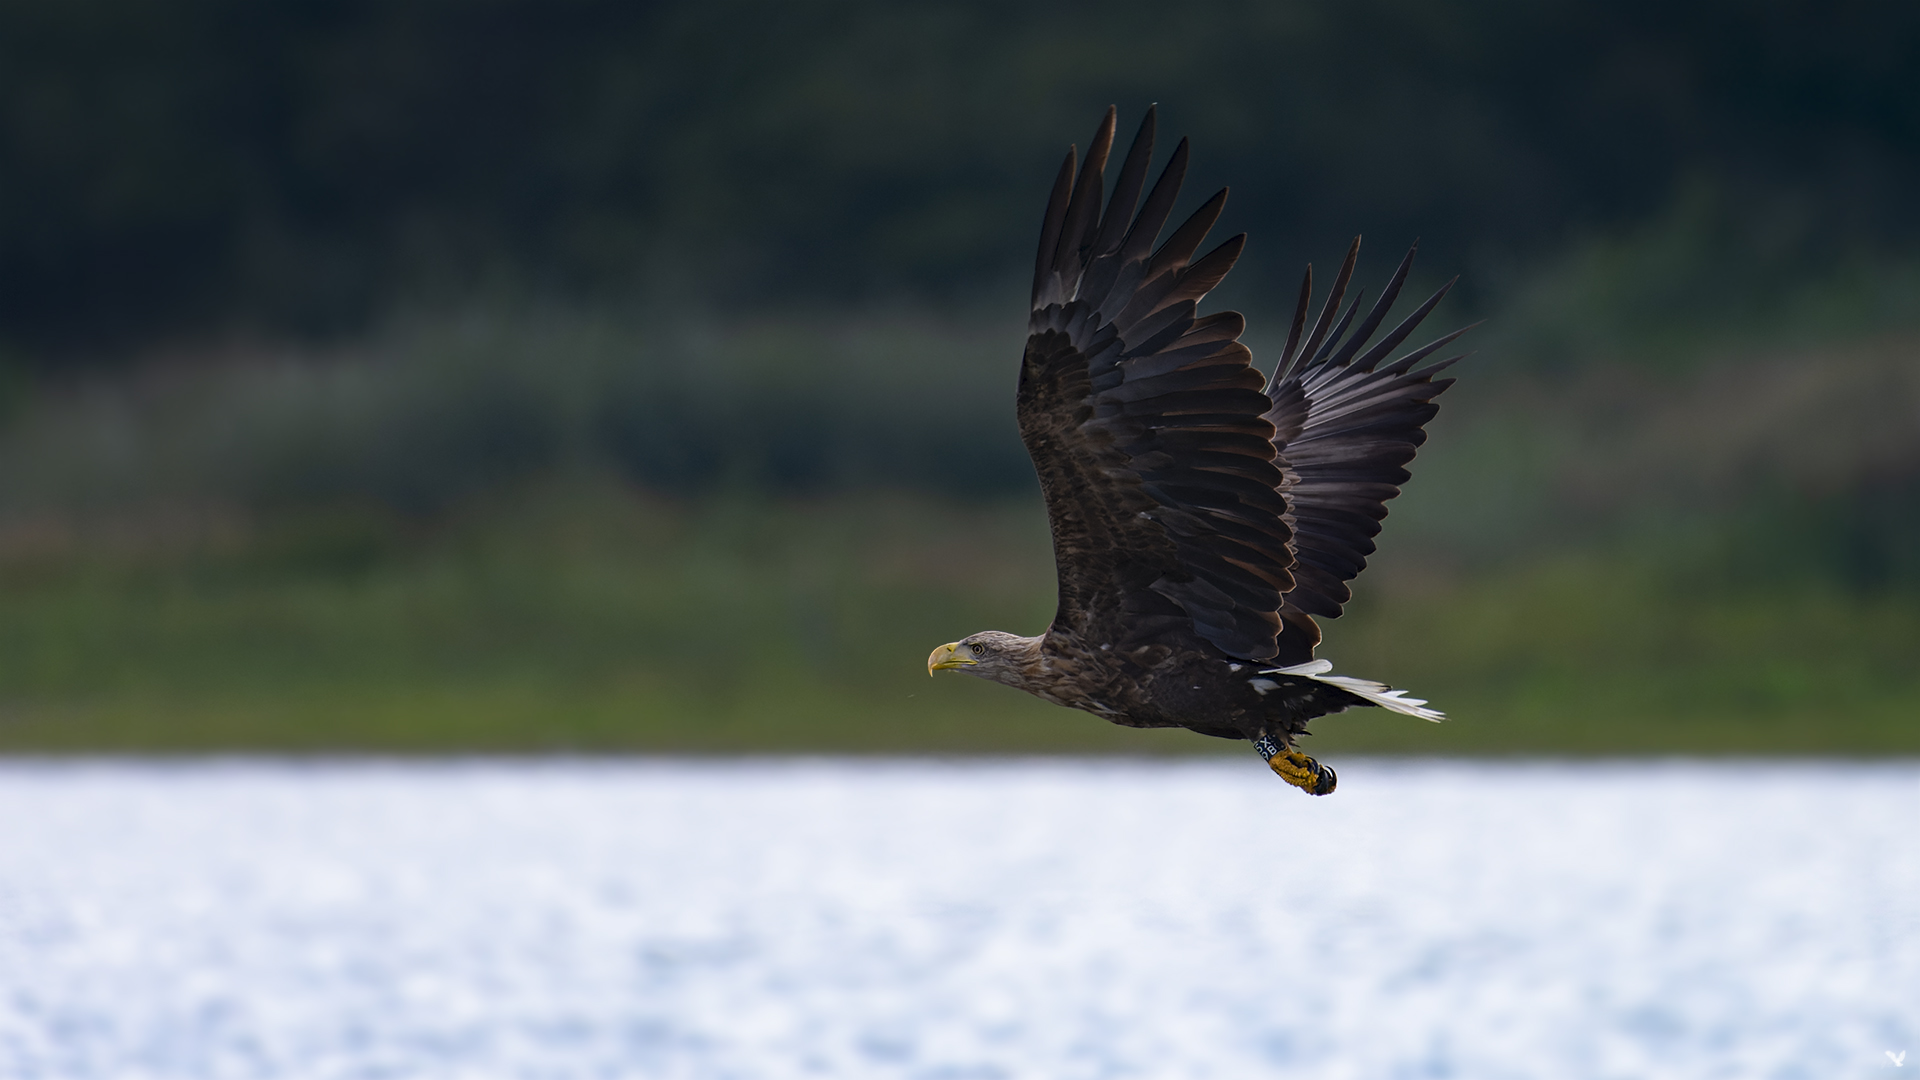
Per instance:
(934,919)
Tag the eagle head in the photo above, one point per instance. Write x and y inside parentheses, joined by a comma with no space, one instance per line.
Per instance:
(989,654)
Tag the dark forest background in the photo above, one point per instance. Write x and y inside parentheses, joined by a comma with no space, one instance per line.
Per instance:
(502,375)
(304,168)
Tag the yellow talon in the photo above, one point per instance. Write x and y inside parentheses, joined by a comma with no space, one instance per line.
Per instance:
(1303,772)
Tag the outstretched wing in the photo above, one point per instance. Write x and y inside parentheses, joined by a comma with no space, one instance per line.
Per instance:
(1345,427)
(1146,422)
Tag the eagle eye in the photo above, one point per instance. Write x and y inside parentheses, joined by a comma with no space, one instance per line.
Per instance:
(976,649)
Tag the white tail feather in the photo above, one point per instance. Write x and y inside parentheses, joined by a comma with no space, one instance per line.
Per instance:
(1378,693)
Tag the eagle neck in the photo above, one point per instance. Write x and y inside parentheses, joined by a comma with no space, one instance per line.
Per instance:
(1025,667)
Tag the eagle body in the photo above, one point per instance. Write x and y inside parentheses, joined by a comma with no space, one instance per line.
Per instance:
(1202,513)
(1165,685)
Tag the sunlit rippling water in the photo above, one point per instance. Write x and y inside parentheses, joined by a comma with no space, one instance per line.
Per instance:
(1050,919)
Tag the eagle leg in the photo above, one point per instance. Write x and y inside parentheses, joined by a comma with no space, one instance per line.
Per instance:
(1295,767)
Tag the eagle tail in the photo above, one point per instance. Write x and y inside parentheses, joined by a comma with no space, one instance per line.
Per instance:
(1376,693)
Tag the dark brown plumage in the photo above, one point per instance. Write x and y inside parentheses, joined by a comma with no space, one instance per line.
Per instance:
(1202,515)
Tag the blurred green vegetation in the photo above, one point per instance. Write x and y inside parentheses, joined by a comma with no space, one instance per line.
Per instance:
(582,617)
(573,616)
(449,541)
(638,376)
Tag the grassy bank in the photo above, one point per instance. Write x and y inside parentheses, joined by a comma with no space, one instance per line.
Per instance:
(582,617)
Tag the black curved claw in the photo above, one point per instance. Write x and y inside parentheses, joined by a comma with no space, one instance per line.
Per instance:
(1326,781)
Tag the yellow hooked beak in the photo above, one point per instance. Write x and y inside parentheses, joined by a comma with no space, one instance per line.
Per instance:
(948,656)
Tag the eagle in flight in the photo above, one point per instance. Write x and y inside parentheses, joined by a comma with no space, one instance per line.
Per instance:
(1202,514)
